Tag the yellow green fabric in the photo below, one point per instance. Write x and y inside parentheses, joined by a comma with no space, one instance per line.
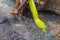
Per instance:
(40,24)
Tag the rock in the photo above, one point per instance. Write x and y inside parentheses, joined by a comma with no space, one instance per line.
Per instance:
(3,20)
(52,5)
(25,28)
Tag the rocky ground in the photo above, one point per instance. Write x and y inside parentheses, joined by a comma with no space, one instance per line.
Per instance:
(16,28)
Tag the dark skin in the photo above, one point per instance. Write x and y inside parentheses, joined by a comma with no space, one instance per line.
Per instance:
(19,6)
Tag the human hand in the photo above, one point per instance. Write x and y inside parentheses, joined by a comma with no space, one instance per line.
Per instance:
(14,11)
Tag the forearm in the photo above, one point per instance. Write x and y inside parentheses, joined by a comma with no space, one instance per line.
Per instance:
(21,5)
(17,3)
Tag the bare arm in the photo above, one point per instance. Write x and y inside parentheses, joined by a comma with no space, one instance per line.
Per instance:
(17,3)
(22,4)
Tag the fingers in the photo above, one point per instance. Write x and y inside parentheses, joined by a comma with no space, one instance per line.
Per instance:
(12,11)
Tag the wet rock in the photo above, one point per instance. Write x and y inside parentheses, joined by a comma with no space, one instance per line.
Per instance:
(3,20)
(25,29)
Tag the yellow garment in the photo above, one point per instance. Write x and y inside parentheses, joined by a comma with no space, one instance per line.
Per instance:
(40,24)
